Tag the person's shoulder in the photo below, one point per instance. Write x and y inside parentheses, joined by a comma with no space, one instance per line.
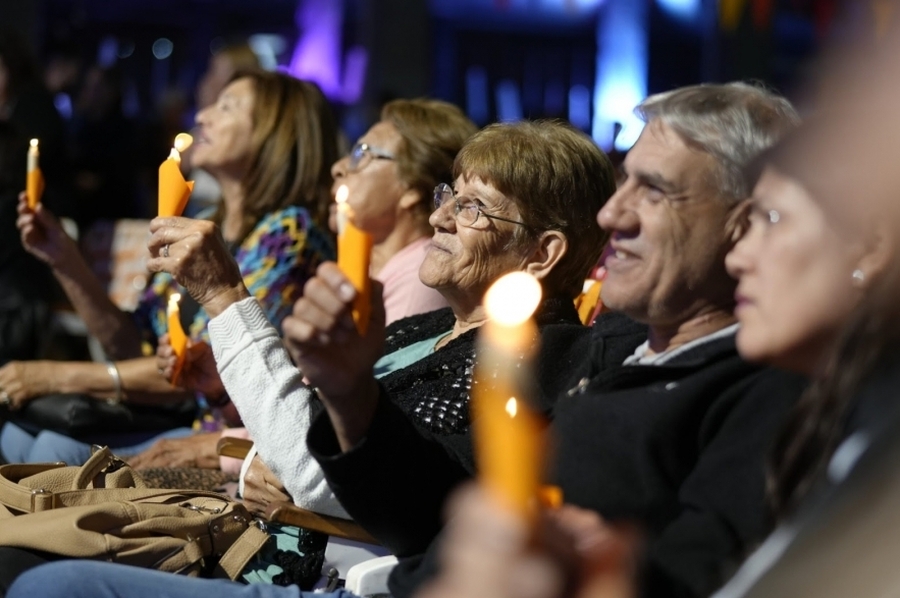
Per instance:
(759,394)
(419,327)
(613,324)
(291,216)
(294,222)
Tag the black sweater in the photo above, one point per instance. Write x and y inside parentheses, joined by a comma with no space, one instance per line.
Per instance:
(677,447)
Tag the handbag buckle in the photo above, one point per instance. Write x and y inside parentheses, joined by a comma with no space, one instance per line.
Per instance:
(198,508)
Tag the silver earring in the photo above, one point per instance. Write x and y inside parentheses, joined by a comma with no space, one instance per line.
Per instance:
(858,276)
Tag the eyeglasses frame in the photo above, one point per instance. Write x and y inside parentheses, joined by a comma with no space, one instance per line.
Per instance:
(442,188)
(366,150)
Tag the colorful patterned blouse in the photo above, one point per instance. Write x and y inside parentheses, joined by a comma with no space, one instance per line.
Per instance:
(276,259)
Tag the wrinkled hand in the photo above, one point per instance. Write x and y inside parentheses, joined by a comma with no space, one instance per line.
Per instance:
(22,381)
(489,552)
(197,450)
(322,338)
(198,372)
(261,487)
(198,260)
(42,235)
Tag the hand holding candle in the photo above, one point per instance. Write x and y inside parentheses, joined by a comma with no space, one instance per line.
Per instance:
(177,337)
(174,191)
(34,182)
(354,252)
(508,435)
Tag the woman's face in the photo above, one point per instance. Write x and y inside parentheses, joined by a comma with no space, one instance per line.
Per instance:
(465,260)
(795,270)
(374,184)
(222,144)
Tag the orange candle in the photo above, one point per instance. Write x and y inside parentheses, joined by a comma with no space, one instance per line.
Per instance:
(34,181)
(354,253)
(508,434)
(174,191)
(177,337)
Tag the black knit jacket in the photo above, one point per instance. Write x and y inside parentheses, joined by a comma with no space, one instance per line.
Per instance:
(434,391)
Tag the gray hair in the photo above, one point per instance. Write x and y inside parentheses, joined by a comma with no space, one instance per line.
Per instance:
(733,122)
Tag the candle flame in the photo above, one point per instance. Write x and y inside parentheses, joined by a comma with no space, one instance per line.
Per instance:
(183,141)
(512,406)
(513,298)
(33,143)
(342,194)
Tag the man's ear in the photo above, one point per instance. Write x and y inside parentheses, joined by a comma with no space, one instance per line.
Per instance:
(879,250)
(737,223)
(551,247)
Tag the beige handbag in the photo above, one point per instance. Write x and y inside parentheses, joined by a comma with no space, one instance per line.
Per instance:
(102,510)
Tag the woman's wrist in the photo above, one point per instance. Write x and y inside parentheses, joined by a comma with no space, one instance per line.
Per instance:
(225,299)
(69,256)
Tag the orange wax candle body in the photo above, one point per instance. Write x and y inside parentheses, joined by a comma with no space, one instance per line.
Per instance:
(177,337)
(508,434)
(354,254)
(34,181)
(174,191)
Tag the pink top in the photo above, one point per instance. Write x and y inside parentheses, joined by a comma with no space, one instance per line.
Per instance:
(404,293)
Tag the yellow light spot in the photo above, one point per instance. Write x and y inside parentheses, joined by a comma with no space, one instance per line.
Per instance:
(342,194)
(183,141)
(512,407)
(513,298)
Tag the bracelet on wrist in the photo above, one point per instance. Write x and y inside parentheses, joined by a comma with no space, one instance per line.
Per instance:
(117,383)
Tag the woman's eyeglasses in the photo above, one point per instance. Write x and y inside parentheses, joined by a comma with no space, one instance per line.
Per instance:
(466,210)
(363,153)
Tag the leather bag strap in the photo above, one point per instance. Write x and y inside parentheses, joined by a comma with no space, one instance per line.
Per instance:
(239,554)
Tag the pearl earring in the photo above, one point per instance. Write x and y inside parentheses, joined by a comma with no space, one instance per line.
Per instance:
(858,276)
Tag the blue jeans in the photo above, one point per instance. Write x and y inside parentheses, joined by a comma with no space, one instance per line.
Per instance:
(93,579)
(18,446)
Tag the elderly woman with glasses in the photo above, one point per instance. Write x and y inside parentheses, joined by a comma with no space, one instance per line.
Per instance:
(390,174)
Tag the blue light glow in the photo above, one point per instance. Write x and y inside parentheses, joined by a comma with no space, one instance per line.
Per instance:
(162,48)
(621,80)
(687,10)
(580,106)
(509,101)
(477,94)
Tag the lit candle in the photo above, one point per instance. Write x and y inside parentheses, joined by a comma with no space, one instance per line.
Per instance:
(34,181)
(174,191)
(508,434)
(177,337)
(354,252)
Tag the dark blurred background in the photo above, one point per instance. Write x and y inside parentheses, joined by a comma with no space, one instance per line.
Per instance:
(133,65)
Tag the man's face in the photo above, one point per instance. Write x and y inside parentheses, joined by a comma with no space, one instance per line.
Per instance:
(667,222)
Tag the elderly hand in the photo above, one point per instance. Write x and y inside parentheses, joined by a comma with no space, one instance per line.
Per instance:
(193,252)
(325,345)
(197,450)
(42,234)
(322,338)
(261,487)
(21,381)
(198,372)
(489,552)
